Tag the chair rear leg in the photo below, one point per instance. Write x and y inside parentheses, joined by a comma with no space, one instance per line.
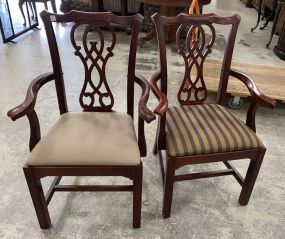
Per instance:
(154,150)
(53,6)
(168,188)
(38,198)
(250,178)
(137,196)
(46,6)
(155,145)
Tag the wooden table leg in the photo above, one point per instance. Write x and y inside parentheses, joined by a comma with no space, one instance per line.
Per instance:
(53,6)
(271,15)
(96,6)
(169,33)
(149,36)
(259,15)
(124,7)
(279,49)
(276,16)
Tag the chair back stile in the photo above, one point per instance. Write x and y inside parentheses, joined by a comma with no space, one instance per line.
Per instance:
(56,63)
(194,52)
(226,65)
(132,64)
(94,96)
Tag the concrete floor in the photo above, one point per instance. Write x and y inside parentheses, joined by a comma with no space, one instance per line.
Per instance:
(205,208)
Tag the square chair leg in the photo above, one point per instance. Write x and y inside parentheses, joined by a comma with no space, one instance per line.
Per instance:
(137,196)
(168,188)
(250,178)
(38,198)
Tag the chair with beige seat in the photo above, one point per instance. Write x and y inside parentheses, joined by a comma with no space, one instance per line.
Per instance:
(195,132)
(97,141)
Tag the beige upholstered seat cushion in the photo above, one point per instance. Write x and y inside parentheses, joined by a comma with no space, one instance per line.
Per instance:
(208,128)
(88,138)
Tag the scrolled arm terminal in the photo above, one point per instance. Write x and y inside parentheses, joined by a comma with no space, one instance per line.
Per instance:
(28,105)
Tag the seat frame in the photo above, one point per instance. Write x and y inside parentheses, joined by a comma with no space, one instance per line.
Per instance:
(168,165)
(34,174)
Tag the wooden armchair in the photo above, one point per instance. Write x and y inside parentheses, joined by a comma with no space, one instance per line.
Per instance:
(97,141)
(196,132)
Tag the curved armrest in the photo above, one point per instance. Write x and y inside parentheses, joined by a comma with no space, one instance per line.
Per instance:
(29,103)
(258,97)
(163,101)
(144,111)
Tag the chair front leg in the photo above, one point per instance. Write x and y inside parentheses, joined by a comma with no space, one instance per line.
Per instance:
(168,187)
(159,143)
(137,196)
(250,178)
(38,198)
(141,138)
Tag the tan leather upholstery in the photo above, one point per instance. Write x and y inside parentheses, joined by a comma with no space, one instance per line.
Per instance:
(207,128)
(88,138)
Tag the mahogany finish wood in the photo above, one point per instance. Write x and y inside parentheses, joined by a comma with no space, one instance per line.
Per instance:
(91,188)
(51,189)
(93,58)
(194,52)
(209,174)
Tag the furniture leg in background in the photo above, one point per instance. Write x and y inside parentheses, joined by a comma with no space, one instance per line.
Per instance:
(248,3)
(271,16)
(276,16)
(167,8)
(31,4)
(279,49)
(259,15)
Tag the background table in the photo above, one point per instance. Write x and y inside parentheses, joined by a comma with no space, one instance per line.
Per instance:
(167,8)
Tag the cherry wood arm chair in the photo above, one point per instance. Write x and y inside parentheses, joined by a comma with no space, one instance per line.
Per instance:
(97,141)
(195,132)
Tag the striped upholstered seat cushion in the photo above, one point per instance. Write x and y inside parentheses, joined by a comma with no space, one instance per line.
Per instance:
(203,129)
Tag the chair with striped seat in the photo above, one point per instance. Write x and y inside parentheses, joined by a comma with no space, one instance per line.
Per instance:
(205,129)
(196,132)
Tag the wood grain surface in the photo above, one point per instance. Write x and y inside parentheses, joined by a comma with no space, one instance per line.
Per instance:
(270,80)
